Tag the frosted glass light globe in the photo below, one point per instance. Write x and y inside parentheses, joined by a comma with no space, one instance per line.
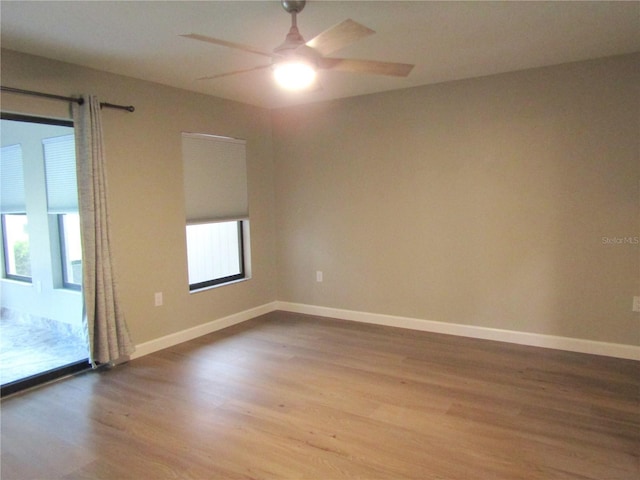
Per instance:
(294,75)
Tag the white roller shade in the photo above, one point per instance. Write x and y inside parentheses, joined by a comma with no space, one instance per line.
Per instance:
(60,171)
(215,178)
(12,199)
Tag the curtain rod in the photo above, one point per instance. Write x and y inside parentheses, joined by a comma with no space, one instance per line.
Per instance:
(78,100)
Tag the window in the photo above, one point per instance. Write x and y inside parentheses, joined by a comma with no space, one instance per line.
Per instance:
(70,250)
(15,243)
(215,253)
(217,223)
(15,234)
(39,202)
(41,249)
(62,202)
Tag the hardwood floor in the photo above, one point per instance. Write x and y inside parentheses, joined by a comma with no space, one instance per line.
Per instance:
(294,396)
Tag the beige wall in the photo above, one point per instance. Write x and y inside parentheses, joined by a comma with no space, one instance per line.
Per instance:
(145,187)
(480,202)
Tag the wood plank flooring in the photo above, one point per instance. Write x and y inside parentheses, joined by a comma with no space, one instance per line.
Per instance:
(293,396)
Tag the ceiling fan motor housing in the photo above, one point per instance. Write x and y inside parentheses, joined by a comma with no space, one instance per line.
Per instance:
(293,49)
(293,6)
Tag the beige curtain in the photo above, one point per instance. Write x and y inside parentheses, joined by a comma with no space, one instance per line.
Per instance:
(108,334)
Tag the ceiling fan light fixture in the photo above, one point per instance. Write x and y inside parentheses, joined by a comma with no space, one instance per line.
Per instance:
(294,75)
(295,62)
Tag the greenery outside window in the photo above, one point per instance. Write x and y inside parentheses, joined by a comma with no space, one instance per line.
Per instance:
(15,245)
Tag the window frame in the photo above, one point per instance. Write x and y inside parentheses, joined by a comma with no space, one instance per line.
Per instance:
(63,256)
(5,253)
(242,275)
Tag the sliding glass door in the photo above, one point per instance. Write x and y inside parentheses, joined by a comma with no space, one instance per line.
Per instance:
(41,316)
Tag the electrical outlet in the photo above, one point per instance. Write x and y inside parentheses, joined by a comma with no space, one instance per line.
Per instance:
(636,304)
(158,299)
(319,276)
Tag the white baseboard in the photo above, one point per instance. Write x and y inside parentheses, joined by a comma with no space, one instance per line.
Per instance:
(617,350)
(200,330)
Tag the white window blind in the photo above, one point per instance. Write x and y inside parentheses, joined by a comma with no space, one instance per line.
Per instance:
(215,178)
(60,171)
(220,238)
(12,199)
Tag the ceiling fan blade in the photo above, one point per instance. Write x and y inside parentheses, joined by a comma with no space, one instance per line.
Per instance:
(339,36)
(366,66)
(236,72)
(224,43)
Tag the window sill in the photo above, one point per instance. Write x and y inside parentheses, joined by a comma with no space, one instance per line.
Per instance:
(68,290)
(14,281)
(203,289)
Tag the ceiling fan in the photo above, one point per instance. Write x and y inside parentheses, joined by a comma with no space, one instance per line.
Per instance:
(296,61)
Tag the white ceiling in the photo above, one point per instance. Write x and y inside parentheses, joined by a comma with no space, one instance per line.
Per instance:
(445,40)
